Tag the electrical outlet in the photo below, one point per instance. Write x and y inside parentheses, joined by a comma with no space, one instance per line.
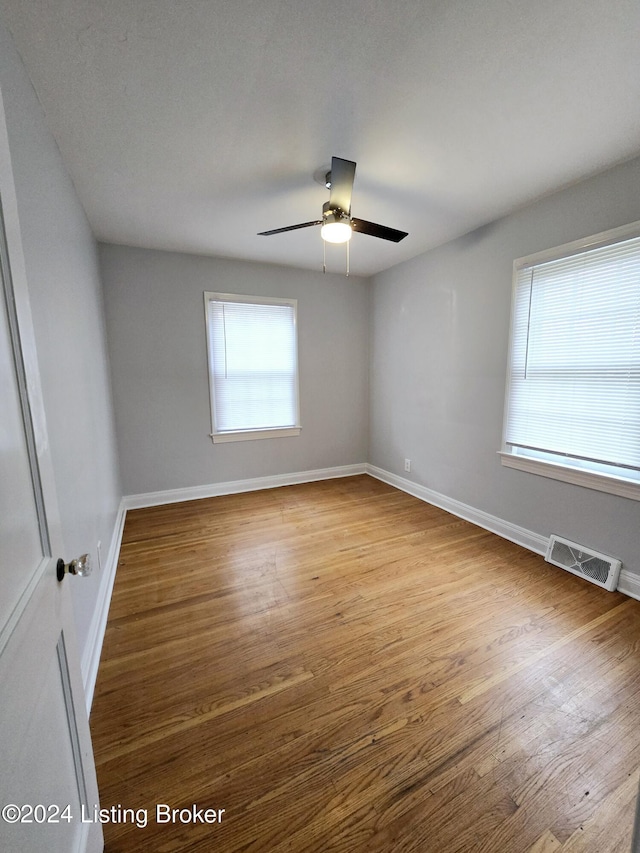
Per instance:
(407,465)
(99,554)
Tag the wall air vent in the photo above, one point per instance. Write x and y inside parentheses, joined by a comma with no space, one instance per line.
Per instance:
(595,567)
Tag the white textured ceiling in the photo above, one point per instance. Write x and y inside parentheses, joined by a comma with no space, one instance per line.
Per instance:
(193,124)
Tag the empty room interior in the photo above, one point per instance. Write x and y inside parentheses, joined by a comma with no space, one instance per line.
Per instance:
(322,324)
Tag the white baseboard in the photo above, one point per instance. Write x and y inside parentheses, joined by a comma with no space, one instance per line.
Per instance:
(93,647)
(629,584)
(236,486)
(520,535)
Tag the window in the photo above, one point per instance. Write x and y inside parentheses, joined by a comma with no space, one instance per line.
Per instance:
(572,407)
(253,366)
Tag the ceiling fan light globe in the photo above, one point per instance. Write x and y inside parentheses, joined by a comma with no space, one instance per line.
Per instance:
(336,232)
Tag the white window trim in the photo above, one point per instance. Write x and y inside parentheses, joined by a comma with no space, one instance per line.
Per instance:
(250,435)
(218,437)
(510,457)
(579,477)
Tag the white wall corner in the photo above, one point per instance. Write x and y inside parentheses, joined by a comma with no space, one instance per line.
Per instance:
(233,487)
(93,647)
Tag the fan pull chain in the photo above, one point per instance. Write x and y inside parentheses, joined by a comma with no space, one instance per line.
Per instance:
(324,258)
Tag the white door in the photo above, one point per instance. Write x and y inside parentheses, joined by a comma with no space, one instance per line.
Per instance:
(47,775)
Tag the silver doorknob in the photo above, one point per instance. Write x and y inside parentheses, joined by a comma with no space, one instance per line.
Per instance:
(80,566)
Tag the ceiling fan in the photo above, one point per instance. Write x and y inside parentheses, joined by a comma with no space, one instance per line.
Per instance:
(337,223)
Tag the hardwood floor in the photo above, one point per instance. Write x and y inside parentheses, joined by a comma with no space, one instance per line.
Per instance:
(342,667)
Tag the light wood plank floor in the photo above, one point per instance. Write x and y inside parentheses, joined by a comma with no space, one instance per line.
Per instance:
(341,667)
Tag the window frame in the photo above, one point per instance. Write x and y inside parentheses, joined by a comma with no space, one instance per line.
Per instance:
(222,436)
(567,470)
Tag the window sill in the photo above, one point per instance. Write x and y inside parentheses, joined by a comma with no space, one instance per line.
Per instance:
(578,477)
(251,435)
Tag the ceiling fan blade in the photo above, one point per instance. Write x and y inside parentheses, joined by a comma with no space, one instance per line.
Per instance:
(364,227)
(343,173)
(289,228)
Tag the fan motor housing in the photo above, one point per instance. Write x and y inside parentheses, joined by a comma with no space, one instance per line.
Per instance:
(333,214)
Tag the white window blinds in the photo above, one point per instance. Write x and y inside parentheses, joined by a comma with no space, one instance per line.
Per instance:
(574,376)
(252,363)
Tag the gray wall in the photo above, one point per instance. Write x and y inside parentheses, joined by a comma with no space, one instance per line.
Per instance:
(439,338)
(157,341)
(68,315)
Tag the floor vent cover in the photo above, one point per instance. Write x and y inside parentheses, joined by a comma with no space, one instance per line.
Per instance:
(595,567)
